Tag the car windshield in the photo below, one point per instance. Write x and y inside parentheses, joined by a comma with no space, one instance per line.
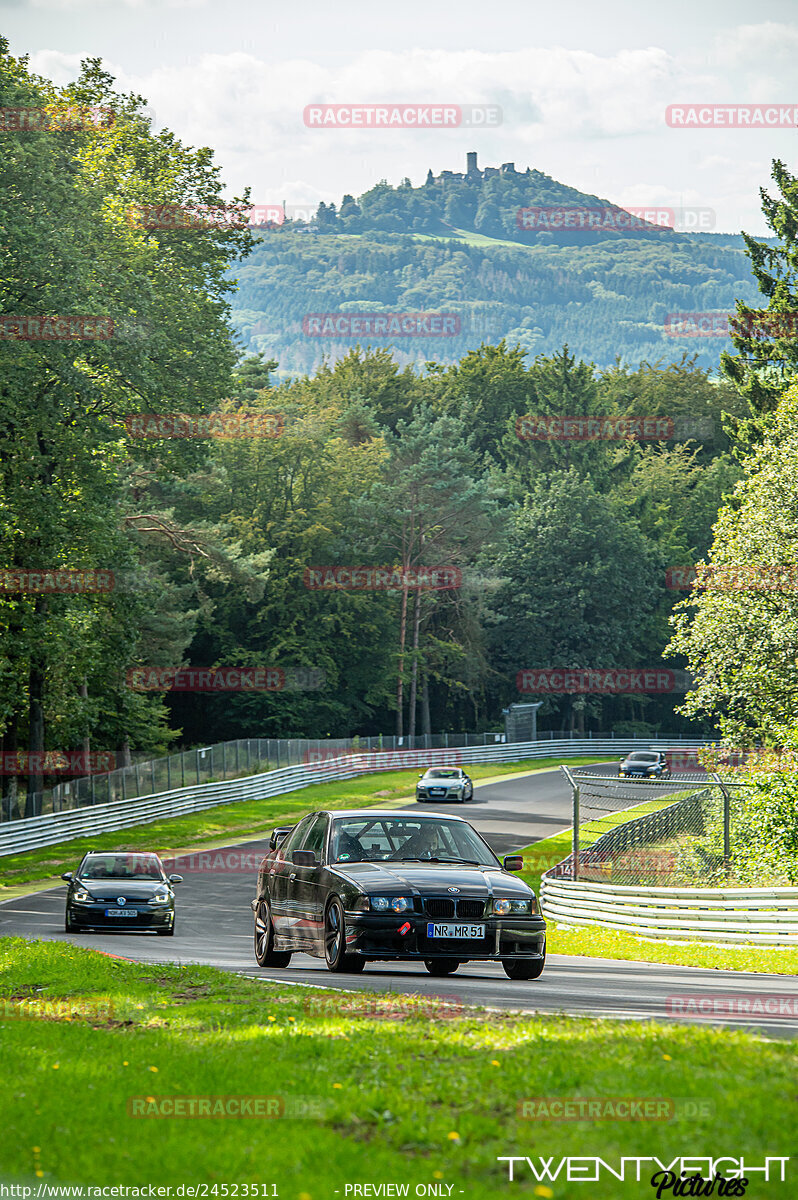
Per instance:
(438,773)
(122,866)
(643,758)
(396,839)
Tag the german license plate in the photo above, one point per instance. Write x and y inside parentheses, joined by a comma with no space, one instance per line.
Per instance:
(454,931)
(121,912)
(437,791)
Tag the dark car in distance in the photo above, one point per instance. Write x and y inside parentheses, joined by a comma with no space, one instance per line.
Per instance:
(120,891)
(366,885)
(444,783)
(645,764)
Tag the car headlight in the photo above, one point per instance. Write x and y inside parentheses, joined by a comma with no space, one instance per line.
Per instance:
(159,898)
(391,903)
(81,896)
(504,907)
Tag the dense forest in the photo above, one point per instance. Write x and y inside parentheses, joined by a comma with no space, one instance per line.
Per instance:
(455,245)
(555,550)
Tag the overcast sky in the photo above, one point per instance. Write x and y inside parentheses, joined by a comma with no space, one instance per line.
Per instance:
(583,87)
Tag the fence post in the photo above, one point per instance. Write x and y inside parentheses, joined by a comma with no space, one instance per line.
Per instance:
(726,820)
(575,836)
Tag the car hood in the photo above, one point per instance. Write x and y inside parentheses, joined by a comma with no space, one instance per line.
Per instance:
(637,765)
(131,889)
(436,877)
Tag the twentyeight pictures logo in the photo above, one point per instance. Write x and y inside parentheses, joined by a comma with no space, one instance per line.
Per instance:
(401,116)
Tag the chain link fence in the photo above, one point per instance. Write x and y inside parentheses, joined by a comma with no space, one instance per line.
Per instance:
(210,764)
(236,759)
(676,831)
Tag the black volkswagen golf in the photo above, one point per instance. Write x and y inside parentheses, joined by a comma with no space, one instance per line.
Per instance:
(364,885)
(120,891)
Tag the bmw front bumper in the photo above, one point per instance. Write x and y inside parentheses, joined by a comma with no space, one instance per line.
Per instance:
(383,936)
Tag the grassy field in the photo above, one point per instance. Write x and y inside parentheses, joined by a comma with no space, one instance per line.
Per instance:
(230,822)
(369,1089)
(595,942)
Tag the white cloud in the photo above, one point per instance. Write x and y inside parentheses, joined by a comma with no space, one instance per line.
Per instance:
(591,120)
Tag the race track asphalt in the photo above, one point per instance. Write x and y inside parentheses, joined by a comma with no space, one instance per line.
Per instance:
(214,927)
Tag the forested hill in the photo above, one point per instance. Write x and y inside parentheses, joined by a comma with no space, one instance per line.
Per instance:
(454,245)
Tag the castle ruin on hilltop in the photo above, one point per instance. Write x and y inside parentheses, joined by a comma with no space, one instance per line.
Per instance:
(473,172)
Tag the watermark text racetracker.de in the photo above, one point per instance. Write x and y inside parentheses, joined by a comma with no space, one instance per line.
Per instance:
(612,219)
(758,325)
(51,327)
(227,1106)
(601,680)
(613,1108)
(401,116)
(55,118)
(732,116)
(57,762)
(603,428)
(225,679)
(735,1004)
(378,579)
(381,324)
(66,581)
(734,577)
(205,425)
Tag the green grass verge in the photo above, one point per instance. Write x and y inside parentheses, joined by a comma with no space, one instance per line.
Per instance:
(401,1095)
(236,821)
(595,942)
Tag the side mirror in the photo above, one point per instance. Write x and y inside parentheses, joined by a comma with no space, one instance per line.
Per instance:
(175,878)
(304,858)
(513,862)
(278,837)
(67,876)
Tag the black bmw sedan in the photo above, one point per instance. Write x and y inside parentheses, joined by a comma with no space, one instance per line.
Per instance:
(120,891)
(369,886)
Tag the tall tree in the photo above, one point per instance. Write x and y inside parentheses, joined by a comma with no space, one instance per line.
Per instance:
(740,631)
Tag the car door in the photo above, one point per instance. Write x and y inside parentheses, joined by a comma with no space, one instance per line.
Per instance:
(306,887)
(281,884)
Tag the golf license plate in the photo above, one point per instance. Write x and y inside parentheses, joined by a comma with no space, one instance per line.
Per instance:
(121,912)
(450,930)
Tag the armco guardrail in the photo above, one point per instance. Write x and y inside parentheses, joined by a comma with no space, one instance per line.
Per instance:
(32,833)
(768,916)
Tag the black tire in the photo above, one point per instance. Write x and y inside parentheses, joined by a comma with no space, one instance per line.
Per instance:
(335,942)
(265,954)
(170,932)
(441,966)
(524,968)
(69,925)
